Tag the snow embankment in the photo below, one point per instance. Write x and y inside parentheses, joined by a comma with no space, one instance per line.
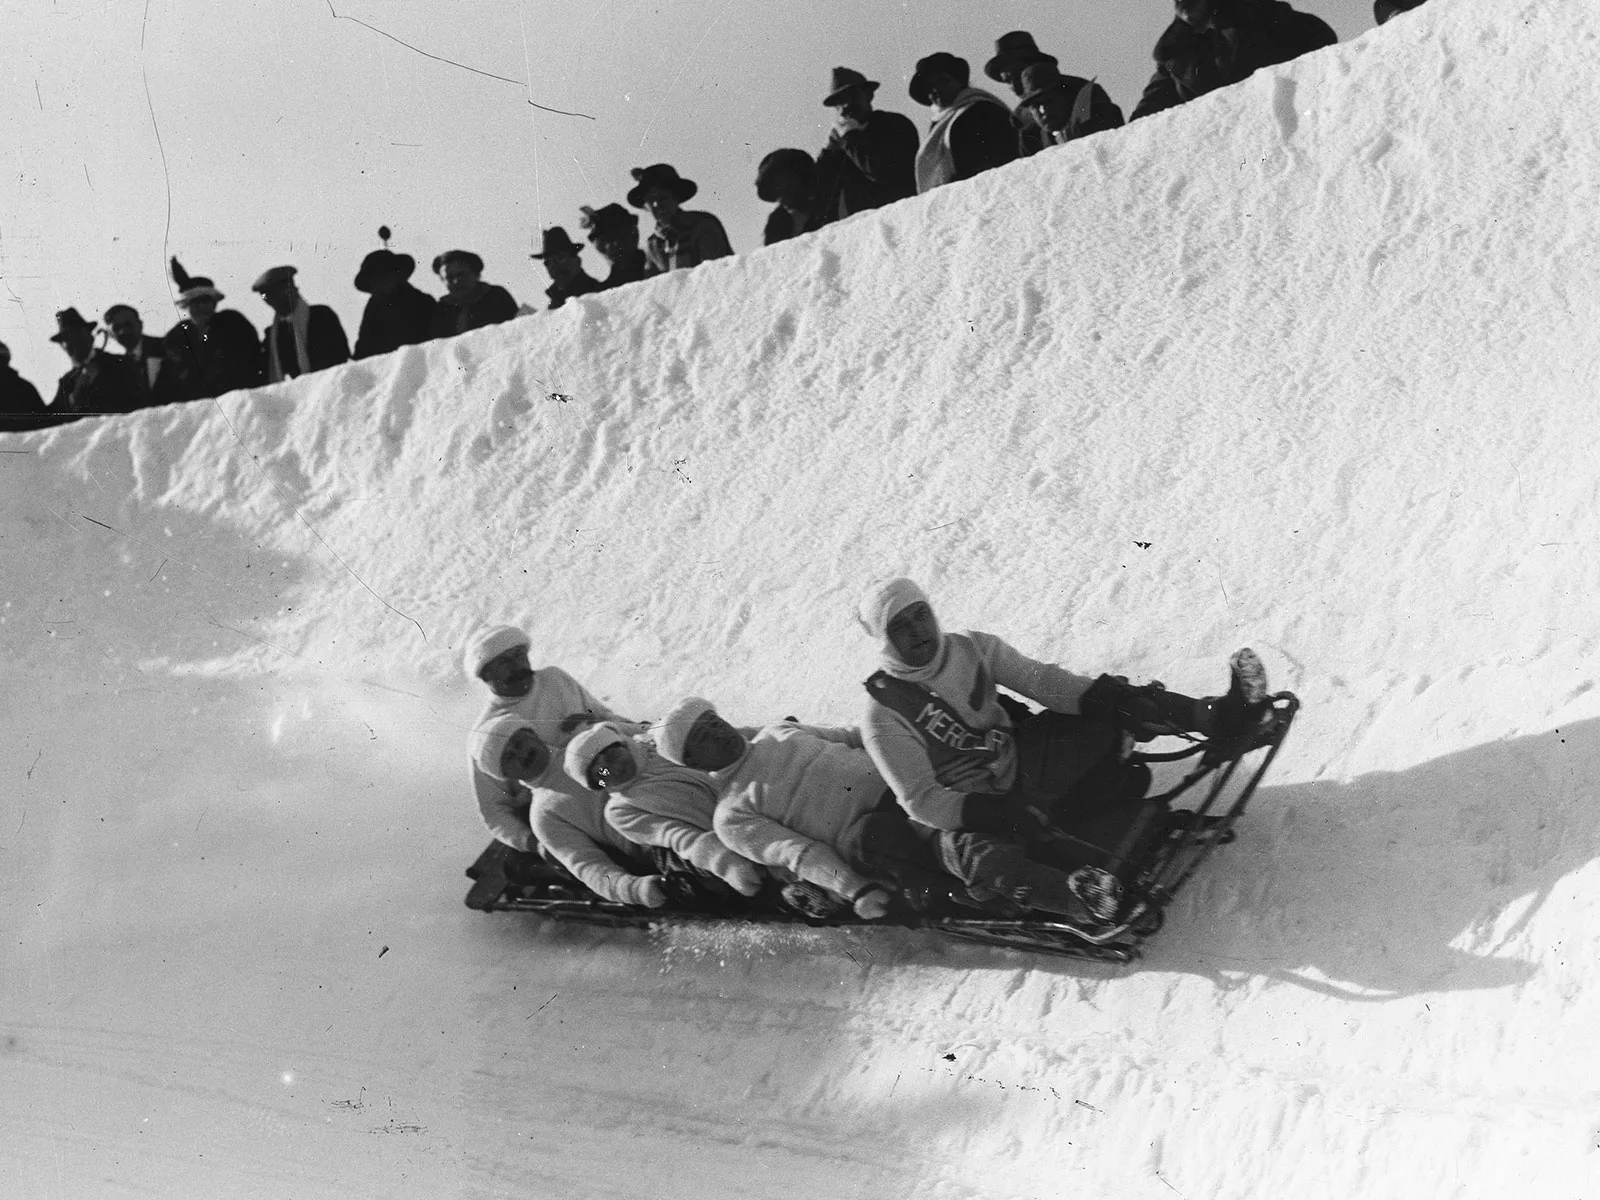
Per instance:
(1308,365)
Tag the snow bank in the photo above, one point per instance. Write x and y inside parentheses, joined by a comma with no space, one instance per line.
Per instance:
(1307,365)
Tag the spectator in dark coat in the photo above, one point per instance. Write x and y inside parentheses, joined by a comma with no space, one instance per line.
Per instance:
(1016,54)
(614,232)
(681,239)
(98,383)
(789,179)
(21,406)
(468,302)
(559,253)
(870,159)
(302,337)
(1382,10)
(209,352)
(398,314)
(971,130)
(1215,43)
(144,356)
(1064,107)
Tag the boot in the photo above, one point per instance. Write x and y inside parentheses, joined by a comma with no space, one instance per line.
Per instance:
(1151,711)
(982,862)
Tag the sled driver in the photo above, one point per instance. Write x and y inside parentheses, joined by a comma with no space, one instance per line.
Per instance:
(570,825)
(554,705)
(938,731)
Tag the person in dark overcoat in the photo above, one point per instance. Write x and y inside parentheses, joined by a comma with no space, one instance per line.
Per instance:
(870,158)
(302,337)
(1215,43)
(1015,55)
(144,356)
(468,302)
(788,179)
(399,314)
(614,232)
(210,351)
(21,406)
(971,130)
(681,238)
(98,384)
(559,253)
(1065,107)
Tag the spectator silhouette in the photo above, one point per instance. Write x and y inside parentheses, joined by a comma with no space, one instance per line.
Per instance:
(1013,52)
(398,314)
(1215,43)
(614,232)
(468,302)
(681,238)
(971,130)
(21,406)
(1382,10)
(1064,107)
(302,337)
(559,254)
(870,159)
(210,351)
(98,383)
(788,178)
(145,355)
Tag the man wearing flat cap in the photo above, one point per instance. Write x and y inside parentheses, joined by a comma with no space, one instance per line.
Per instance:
(302,337)
(398,314)
(1064,107)
(559,253)
(614,232)
(971,130)
(681,238)
(870,157)
(210,351)
(468,303)
(98,383)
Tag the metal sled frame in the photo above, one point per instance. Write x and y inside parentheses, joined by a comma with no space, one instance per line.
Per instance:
(1153,878)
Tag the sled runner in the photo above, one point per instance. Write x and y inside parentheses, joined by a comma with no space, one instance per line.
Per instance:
(1111,821)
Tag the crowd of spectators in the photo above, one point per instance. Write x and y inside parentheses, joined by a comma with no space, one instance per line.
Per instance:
(873,157)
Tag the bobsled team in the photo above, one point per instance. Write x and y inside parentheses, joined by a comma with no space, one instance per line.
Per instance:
(929,805)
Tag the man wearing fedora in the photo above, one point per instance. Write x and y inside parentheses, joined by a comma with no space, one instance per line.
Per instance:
(468,302)
(614,232)
(1216,43)
(98,383)
(1015,53)
(1064,107)
(559,254)
(398,313)
(971,130)
(302,337)
(210,351)
(681,238)
(870,157)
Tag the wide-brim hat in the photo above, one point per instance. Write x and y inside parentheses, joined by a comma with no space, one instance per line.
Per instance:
(779,162)
(660,175)
(555,240)
(272,277)
(70,321)
(460,256)
(192,287)
(1014,49)
(936,63)
(844,80)
(383,262)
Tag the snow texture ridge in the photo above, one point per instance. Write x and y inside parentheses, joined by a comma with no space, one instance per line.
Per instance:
(1307,365)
